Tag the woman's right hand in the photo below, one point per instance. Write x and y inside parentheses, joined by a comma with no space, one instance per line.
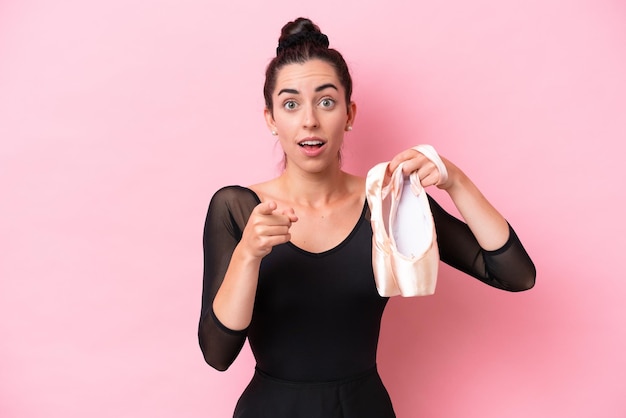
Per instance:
(266,228)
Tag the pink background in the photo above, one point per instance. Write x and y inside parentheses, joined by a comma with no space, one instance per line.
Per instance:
(119,119)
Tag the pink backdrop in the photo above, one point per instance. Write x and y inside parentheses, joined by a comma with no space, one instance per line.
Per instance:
(119,119)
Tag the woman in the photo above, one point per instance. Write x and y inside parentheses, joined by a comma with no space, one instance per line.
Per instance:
(288,262)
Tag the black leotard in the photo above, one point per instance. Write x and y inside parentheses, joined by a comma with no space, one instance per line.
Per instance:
(317,316)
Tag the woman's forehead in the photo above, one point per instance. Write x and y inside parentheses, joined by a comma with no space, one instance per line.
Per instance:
(309,74)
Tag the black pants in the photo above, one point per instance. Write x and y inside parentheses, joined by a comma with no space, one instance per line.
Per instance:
(362,396)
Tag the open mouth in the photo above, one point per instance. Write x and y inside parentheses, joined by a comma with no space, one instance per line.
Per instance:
(311,143)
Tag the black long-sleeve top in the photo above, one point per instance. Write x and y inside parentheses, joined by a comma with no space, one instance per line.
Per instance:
(317,315)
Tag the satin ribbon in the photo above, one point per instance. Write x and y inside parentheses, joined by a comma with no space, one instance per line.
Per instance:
(429,152)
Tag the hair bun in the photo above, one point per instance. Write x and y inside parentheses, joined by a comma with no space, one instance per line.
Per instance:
(299,32)
(315,38)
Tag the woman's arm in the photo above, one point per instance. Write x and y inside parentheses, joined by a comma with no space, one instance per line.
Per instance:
(265,228)
(238,232)
(508,267)
(485,247)
(487,224)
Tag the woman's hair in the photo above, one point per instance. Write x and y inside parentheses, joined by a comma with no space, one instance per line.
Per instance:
(299,42)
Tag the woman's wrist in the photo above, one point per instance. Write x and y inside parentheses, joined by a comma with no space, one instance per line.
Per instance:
(456,178)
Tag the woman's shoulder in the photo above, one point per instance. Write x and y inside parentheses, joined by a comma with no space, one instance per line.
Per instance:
(356,183)
(230,208)
(234,191)
(267,190)
(234,196)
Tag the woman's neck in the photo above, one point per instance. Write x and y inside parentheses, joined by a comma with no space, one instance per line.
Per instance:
(313,189)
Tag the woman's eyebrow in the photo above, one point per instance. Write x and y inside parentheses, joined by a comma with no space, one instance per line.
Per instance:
(325,86)
(290,91)
(317,89)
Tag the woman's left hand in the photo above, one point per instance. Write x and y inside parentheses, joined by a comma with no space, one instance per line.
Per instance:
(426,170)
(487,224)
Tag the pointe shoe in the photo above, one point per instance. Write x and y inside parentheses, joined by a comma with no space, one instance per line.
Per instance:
(412,237)
(405,260)
(381,245)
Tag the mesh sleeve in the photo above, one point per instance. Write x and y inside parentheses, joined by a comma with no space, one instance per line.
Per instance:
(508,268)
(226,218)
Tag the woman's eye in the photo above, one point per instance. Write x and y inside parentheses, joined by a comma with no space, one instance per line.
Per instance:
(290,105)
(327,103)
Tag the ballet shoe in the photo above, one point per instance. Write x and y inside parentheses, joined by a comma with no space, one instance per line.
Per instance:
(376,196)
(412,237)
(405,256)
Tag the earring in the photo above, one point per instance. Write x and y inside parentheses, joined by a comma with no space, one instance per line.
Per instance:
(274,133)
(349,128)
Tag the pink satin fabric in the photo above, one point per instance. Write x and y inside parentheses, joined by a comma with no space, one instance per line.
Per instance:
(397,273)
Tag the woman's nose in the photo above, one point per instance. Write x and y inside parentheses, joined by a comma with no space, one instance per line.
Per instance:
(310,118)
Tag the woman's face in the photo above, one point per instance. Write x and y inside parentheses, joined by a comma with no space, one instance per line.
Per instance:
(310,115)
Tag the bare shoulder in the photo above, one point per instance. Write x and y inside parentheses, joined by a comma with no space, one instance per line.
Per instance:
(267,190)
(355,186)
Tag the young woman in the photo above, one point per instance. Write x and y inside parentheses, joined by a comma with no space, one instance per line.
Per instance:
(288,262)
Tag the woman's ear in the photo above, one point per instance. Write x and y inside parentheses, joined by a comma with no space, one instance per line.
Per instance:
(269,121)
(351,116)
